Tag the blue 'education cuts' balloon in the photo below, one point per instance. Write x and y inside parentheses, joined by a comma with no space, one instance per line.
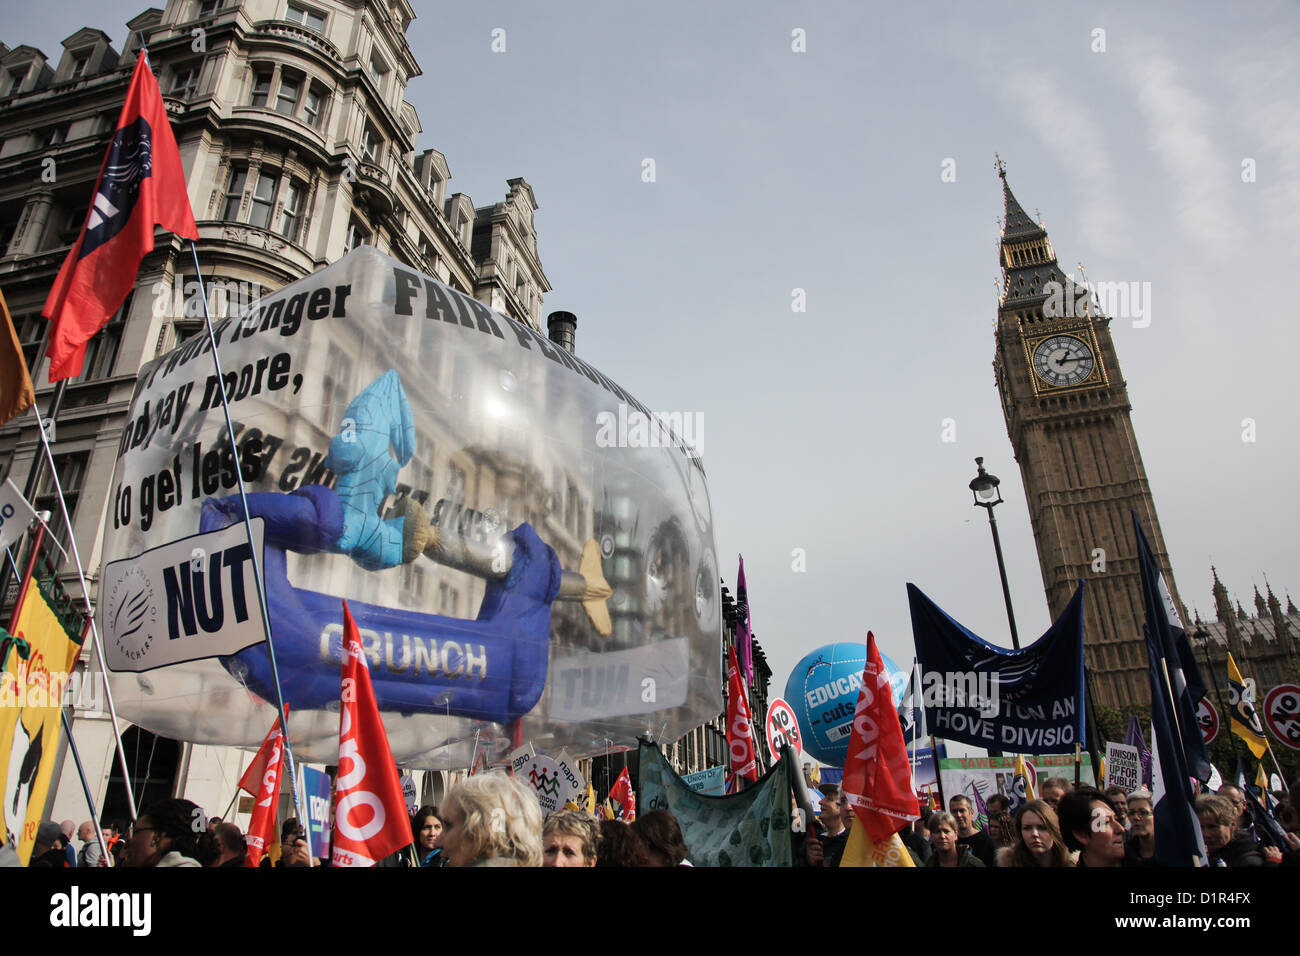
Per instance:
(823,692)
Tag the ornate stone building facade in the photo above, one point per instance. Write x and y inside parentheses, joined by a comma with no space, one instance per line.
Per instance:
(1067,412)
(298,144)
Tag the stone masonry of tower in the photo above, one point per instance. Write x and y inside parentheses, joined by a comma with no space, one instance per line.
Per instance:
(1067,412)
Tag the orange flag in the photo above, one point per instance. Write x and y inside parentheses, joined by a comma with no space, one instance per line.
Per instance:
(16,392)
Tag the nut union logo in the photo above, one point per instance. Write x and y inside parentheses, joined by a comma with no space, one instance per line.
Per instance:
(132,614)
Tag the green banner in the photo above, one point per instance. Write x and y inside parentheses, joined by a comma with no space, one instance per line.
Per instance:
(750,828)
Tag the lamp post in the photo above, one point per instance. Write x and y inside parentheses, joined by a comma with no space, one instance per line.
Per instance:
(985,489)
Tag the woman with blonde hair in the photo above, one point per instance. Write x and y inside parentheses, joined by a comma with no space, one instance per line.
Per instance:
(1038,838)
(490,820)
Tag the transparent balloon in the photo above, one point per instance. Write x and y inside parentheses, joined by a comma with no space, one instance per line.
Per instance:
(521,542)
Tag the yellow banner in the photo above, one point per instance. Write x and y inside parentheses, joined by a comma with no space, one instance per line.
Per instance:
(31,693)
(859,851)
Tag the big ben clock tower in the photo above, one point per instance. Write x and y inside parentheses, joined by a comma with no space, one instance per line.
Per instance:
(1067,411)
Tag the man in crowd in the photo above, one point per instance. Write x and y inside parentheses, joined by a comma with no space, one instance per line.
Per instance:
(1002,827)
(231,849)
(50,847)
(977,841)
(834,809)
(1054,788)
(1119,798)
(89,853)
(69,829)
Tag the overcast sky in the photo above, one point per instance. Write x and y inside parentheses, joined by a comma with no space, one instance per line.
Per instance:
(778,170)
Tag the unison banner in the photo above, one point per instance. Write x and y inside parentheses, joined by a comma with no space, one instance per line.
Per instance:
(1026,701)
(34,665)
(749,828)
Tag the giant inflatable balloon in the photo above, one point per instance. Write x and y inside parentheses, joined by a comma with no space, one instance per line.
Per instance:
(823,691)
(527,549)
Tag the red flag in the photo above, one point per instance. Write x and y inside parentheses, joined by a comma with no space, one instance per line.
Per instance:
(370,819)
(740,732)
(622,794)
(262,780)
(141,184)
(877,779)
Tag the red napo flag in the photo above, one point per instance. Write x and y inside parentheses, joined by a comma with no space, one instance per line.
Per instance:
(740,732)
(622,794)
(262,780)
(141,185)
(877,778)
(370,819)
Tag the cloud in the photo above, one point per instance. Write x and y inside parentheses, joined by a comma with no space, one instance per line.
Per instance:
(1179,131)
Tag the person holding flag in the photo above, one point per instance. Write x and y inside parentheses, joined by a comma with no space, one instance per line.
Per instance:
(141,185)
(877,776)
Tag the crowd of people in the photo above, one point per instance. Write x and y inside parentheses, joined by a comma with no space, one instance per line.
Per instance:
(492,820)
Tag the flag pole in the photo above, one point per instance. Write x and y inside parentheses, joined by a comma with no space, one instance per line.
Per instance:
(248,527)
(85,787)
(63,714)
(90,616)
(38,463)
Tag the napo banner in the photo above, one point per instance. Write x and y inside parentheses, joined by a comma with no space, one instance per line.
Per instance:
(1026,701)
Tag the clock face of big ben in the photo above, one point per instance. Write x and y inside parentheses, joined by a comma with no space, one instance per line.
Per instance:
(1063,360)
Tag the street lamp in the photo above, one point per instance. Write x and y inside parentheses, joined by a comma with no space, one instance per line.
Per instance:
(985,489)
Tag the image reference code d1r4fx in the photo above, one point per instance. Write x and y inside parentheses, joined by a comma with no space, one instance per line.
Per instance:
(492,668)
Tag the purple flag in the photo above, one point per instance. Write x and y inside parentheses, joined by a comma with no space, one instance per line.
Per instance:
(744,646)
(1134,739)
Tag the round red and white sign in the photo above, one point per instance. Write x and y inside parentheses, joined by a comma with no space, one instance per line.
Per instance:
(1282,714)
(1208,718)
(782,728)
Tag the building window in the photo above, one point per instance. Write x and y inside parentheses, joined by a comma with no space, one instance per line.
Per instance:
(378,70)
(370,143)
(308,18)
(261,87)
(208,7)
(356,236)
(286,98)
(71,469)
(52,136)
(101,351)
(31,336)
(291,217)
(185,81)
(79,66)
(16,77)
(336,383)
(235,193)
(263,200)
(311,107)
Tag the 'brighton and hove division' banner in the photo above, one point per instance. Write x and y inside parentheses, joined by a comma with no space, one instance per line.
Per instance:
(1026,701)
(749,828)
(527,549)
(35,662)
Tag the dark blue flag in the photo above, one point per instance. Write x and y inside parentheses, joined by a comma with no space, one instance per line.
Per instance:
(1026,701)
(1177,830)
(1167,640)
